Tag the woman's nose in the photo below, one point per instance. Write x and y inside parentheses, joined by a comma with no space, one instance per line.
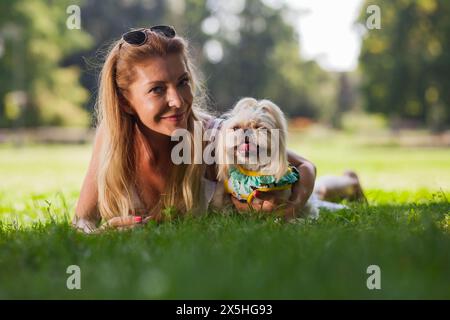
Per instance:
(174,99)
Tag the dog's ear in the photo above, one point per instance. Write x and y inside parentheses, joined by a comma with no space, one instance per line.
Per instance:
(278,154)
(275,111)
(278,142)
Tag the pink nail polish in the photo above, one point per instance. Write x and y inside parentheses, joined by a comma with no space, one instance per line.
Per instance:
(138,219)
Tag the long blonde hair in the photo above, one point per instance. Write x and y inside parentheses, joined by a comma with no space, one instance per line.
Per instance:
(116,174)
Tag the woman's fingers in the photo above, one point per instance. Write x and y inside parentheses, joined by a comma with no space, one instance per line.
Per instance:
(124,221)
(121,223)
(258,204)
(268,201)
(240,206)
(265,205)
(157,218)
(84,225)
(287,209)
(117,223)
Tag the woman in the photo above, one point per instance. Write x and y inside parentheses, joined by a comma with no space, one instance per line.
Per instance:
(146,91)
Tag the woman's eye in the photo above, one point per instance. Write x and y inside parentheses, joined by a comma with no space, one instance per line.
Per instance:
(184,82)
(157,90)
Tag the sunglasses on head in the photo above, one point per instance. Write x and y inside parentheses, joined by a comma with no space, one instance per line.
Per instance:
(139,37)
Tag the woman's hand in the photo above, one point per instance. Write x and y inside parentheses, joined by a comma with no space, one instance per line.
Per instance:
(301,191)
(116,223)
(263,201)
(84,225)
(122,223)
(303,188)
(129,222)
(268,202)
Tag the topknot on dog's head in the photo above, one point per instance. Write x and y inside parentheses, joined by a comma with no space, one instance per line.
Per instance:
(247,104)
(270,107)
(249,108)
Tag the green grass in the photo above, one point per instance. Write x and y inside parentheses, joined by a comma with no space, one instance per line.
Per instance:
(405,231)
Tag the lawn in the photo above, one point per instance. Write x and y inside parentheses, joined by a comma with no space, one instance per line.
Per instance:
(405,231)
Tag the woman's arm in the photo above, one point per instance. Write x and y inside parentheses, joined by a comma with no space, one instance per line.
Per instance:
(302,189)
(87,215)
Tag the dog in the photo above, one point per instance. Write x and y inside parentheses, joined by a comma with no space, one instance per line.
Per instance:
(251,156)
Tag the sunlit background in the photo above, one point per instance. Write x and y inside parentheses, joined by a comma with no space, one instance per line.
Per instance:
(342,85)
(336,47)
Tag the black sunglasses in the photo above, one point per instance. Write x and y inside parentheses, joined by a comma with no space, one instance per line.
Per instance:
(139,37)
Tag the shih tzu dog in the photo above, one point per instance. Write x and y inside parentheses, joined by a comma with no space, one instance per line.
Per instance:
(251,155)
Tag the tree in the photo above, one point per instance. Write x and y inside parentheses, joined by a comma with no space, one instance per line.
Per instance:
(252,49)
(34,88)
(345,99)
(105,22)
(406,63)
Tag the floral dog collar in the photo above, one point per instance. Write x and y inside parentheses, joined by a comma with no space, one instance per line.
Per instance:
(243,184)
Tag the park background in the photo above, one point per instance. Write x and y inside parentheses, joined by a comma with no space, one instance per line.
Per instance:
(373,100)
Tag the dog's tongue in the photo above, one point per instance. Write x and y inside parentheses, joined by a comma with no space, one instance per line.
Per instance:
(244,147)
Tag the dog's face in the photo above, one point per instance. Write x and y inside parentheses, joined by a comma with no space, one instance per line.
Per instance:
(254,136)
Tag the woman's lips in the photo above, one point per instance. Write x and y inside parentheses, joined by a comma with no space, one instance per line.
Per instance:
(175,117)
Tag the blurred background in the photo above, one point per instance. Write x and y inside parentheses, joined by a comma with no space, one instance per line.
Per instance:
(316,59)
(366,94)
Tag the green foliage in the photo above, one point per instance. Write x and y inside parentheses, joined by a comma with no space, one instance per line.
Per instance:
(300,88)
(36,41)
(261,57)
(406,63)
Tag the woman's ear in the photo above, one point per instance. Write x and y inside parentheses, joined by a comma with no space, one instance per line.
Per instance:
(125,105)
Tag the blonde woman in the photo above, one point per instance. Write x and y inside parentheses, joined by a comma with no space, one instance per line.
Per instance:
(147,90)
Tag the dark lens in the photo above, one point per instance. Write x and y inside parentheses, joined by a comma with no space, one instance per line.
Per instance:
(137,37)
(167,31)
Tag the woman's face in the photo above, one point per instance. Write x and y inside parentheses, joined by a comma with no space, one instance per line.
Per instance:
(161,94)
